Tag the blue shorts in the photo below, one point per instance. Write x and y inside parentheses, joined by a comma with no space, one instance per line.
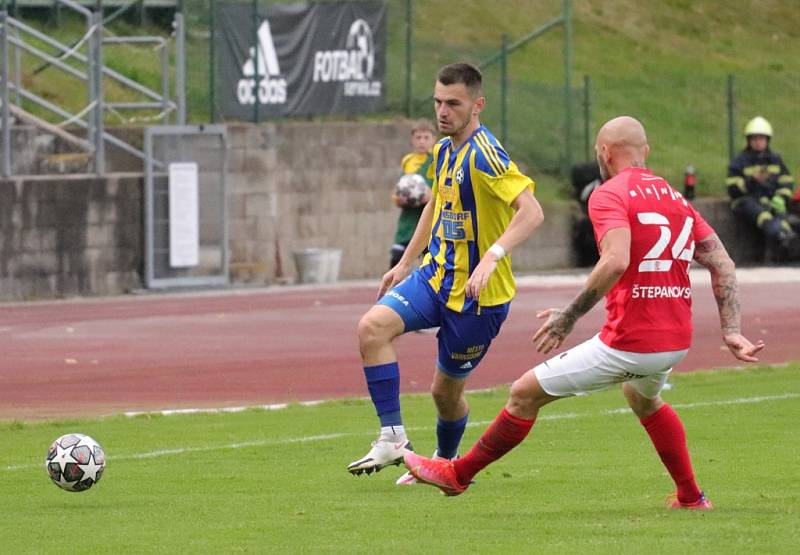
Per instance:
(463,338)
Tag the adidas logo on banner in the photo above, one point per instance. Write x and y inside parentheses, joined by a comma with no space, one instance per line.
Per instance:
(466,366)
(263,61)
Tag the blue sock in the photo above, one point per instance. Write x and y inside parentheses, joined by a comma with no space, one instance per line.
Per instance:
(449,434)
(383,382)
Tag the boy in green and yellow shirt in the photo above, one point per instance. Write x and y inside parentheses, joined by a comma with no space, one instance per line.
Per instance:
(418,161)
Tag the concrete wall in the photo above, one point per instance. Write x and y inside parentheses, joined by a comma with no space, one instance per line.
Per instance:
(290,186)
(742,241)
(70,235)
(299,185)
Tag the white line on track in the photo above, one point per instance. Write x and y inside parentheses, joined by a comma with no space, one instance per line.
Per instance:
(325,437)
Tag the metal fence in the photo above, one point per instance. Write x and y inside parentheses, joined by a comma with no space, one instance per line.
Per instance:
(691,119)
(699,120)
(413,59)
(687,116)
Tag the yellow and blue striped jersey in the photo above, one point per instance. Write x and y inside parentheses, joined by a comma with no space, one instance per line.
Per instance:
(473,188)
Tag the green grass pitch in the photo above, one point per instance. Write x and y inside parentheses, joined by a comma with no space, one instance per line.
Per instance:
(586,480)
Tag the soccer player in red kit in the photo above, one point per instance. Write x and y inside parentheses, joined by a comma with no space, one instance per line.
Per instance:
(647,234)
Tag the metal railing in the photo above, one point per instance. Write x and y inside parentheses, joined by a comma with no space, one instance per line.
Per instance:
(88,67)
(498,76)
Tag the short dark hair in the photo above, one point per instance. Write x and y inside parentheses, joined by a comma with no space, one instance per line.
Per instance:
(462,72)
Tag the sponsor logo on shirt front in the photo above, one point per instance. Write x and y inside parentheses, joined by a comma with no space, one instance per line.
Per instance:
(457,225)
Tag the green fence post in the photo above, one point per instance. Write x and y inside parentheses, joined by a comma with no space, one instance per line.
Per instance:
(567,86)
(587,116)
(409,50)
(503,88)
(731,116)
(56,11)
(212,65)
(256,54)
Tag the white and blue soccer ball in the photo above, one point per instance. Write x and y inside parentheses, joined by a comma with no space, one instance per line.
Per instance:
(411,190)
(75,462)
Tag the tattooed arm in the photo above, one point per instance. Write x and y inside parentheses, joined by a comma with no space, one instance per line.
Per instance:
(711,253)
(614,259)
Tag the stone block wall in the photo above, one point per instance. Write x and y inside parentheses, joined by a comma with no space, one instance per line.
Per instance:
(70,235)
(299,185)
(290,185)
(742,241)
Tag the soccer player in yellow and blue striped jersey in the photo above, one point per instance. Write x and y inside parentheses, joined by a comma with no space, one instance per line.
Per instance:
(482,208)
(475,178)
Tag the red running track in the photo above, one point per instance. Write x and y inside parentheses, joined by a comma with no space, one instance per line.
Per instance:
(90,357)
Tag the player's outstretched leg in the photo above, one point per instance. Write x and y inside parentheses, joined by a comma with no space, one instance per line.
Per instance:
(506,432)
(376,331)
(454,476)
(668,435)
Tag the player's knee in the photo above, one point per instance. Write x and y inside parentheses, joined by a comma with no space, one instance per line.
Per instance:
(520,391)
(522,396)
(526,396)
(373,331)
(369,331)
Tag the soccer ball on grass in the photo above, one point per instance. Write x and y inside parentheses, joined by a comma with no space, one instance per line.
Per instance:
(75,462)
(411,190)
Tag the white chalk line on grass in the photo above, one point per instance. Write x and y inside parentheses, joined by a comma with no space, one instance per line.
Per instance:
(325,437)
(174,412)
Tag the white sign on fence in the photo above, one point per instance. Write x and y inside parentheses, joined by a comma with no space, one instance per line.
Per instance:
(184,237)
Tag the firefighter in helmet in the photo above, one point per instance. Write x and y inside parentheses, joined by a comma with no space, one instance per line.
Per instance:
(760,186)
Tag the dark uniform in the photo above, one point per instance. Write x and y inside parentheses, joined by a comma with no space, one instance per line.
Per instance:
(752,198)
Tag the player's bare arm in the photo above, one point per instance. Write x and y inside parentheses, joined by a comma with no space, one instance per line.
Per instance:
(614,259)
(711,253)
(413,250)
(526,219)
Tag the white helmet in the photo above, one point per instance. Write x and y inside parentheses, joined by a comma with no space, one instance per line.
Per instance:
(758,126)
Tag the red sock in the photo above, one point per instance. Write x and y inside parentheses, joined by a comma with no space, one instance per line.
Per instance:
(669,437)
(506,432)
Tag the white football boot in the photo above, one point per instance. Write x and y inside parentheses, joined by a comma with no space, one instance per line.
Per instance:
(386,451)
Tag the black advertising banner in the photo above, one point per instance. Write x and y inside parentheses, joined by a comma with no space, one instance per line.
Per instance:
(299,59)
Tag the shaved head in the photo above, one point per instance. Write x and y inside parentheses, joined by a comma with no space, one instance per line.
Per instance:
(621,143)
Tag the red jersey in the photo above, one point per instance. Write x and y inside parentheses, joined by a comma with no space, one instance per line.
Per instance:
(650,306)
